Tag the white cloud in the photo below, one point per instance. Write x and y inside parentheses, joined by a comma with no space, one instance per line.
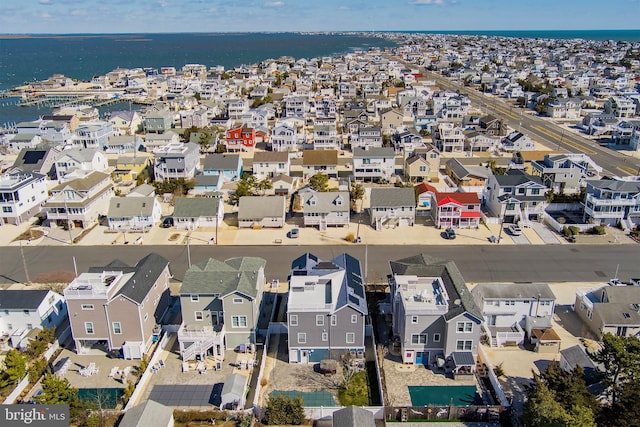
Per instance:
(163,3)
(78,12)
(274,4)
(45,15)
(46,2)
(426,2)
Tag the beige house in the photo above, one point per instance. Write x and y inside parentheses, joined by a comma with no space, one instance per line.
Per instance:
(391,120)
(120,305)
(609,309)
(423,165)
(322,161)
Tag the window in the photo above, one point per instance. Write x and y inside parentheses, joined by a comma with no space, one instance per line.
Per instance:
(195,298)
(465,327)
(237,300)
(325,336)
(88,328)
(334,320)
(30,325)
(436,337)
(422,168)
(302,337)
(117,328)
(354,318)
(418,338)
(199,316)
(464,345)
(414,320)
(319,320)
(351,337)
(293,320)
(238,321)
(7,209)
(87,306)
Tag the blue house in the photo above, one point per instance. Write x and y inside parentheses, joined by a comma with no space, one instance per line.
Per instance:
(227,166)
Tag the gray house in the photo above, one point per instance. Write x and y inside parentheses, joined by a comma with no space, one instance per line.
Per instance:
(326,309)
(391,207)
(119,304)
(566,173)
(220,306)
(148,413)
(261,211)
(516,197)
(325,208)
(435,319)
(191,213)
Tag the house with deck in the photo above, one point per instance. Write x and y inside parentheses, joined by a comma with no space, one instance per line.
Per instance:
(191,213)
(373,164)
(119,305)
(506,306)
(220,303)
(516,197)
(609,309)
(21,196)
(326,309)
(613,201)
(435,319)
(324,209)
(392,207)
(176,160)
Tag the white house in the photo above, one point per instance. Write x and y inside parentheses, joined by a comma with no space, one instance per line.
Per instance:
(133,213)
(21,196)
(86,159)
(374,163)
(22,310)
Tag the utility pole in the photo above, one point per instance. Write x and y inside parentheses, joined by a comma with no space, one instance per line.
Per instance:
(24,264)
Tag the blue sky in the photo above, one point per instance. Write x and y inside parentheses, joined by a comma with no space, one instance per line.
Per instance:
(123,16)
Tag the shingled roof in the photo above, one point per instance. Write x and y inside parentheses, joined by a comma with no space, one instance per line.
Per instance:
(212,276)
(424,265)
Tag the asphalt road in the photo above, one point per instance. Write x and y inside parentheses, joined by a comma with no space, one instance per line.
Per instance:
(544,131)
(525,263)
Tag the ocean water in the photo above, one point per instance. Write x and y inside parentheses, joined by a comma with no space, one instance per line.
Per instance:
(37,57)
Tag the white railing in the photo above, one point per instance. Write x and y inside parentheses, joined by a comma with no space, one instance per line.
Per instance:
(493,378)
(86,293)
(201,333)
(504,337)
(17,391)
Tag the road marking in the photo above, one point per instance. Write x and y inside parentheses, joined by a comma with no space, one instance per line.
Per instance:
(628,170)
(554,135)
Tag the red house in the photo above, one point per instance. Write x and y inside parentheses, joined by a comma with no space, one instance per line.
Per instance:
(456,210)
(241,138)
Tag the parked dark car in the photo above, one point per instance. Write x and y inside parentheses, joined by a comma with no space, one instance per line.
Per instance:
(167,223)
(450,233)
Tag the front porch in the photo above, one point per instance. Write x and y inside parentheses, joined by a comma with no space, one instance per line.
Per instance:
(202,341)
(501,336)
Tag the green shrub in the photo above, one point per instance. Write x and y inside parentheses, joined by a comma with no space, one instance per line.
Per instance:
(598,230)
(36,369)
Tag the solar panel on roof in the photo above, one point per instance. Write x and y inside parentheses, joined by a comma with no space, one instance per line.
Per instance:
(33,157)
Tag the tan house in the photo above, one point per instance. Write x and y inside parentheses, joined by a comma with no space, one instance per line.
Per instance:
(79,202)
(609,309)
(322,161)
(120,305)
(391,120)
(423,165)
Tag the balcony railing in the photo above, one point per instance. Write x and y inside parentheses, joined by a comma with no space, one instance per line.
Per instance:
(201,333)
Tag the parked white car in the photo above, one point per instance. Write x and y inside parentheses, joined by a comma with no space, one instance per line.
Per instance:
(514,229)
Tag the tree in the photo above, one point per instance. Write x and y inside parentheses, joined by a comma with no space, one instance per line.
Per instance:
(246,186)
(205,141)
(177,186)
(626,411)
(356,193)
(41,342)
(620,359)
(319,182)
(15,367)
(570,388)
(56,391)
(264,185)
(36,369)
(542,409)
(284,410)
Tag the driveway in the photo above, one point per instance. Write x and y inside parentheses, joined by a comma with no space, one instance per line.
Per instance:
(545,233)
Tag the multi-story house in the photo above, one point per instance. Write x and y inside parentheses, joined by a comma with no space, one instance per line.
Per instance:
(133,213)
(492,126)
(609,309)
(296,106)
(220,304)
(326,309)
(176,160)
(517,141)
(79,202)
(434,316)
(21,196)
(565,173)
(323,161)
(153,141)
(391,207)
(126,122)
(240,138)
(374,163)
(367,137)
(613,201)
(119,304)
(22,310)
(325,137)
(38,160)
(129,168)
(227,166)
(325,209)
(506,307)
(83,159)
(390,121)
(22,141)
(451,209)
(449,138)
(93,135)
(423,165)
(516,197)
(620,106)
(564,108)
(267,164)
(468,178)
(157,121)
(237,107)
(285,137)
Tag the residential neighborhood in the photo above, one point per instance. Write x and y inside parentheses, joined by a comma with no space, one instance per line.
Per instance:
(449,140)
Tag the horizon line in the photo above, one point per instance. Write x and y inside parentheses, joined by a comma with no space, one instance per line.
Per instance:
(315,31)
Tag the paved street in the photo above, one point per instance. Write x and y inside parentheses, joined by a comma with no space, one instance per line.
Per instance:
(478,263)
